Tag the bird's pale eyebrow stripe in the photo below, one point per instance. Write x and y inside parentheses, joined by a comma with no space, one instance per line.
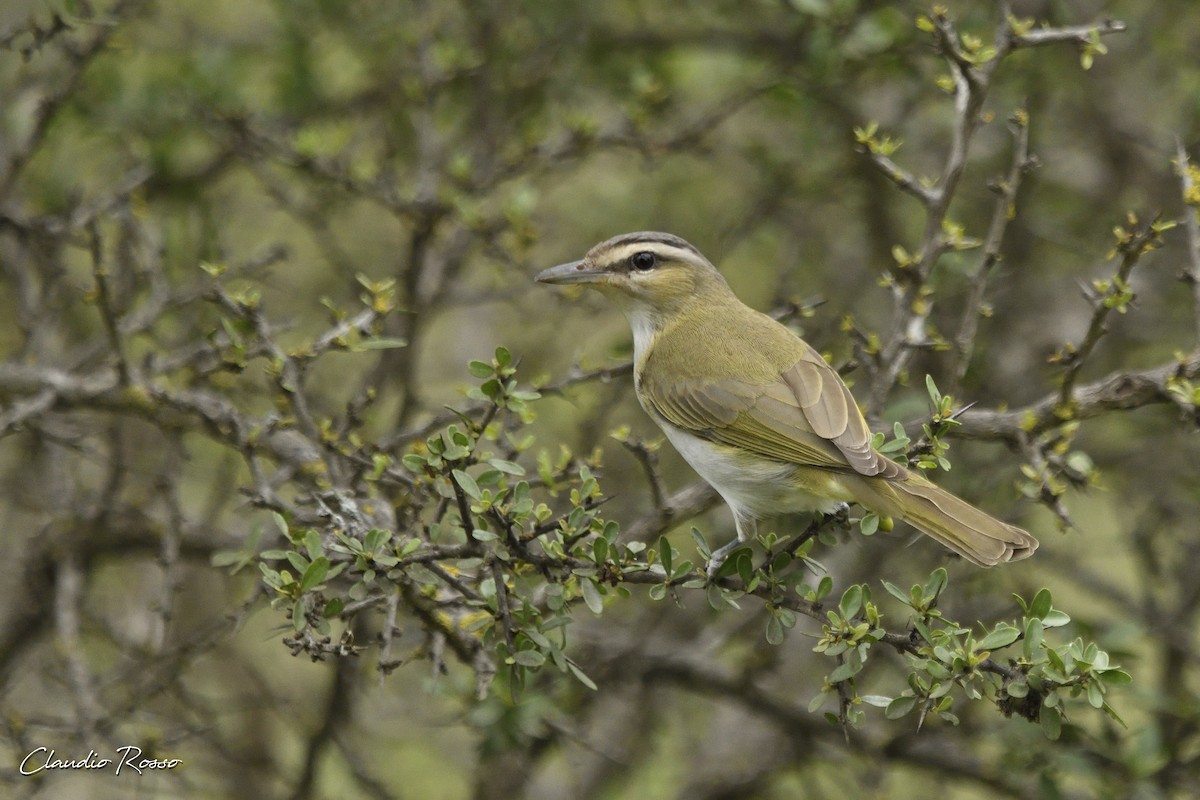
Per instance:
(621,252)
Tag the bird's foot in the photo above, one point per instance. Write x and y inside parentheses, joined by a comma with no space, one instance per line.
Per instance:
(840,513)
(718,558)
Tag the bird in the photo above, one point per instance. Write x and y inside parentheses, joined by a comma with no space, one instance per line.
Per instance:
(757,412)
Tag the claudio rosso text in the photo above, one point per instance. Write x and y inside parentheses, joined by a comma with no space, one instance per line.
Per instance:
(126,760)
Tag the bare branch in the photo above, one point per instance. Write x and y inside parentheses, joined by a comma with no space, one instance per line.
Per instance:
(1003,211)
(1119,391)
(1080,34)
(903,179)
(68,608)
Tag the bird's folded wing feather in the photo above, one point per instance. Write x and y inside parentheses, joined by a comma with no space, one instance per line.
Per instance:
(806,417)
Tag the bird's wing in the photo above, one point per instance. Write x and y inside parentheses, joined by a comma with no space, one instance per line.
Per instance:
(807,416)
(830,410)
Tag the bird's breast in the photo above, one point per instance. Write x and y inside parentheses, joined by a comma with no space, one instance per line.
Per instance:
(753,485)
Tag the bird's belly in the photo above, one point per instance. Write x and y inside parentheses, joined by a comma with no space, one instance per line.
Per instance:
(755,486)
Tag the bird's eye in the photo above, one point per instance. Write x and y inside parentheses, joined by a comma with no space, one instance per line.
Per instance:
(643,261)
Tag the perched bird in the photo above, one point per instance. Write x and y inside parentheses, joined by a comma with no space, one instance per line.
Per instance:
(755,410)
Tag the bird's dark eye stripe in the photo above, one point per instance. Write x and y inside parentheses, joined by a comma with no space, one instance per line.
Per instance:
(643,261)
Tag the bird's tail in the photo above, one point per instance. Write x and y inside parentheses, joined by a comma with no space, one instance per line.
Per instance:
(975,535)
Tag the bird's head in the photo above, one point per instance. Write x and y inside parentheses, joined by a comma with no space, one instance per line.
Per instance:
(644,271)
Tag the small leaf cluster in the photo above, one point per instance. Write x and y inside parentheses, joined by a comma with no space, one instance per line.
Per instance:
(850,631)
(968,49)
(869,137)
(1061,466)
(500,384)
(930,452)
(1055,674)
(302,591)
(1036,682)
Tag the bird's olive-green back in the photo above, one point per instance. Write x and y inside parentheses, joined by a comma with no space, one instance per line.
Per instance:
(735,376)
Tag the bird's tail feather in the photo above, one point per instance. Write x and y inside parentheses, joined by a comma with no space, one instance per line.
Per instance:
(975,535)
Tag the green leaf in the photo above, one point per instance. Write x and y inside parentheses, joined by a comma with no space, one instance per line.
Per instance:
(774,629)
(374,540)
(529,658)
(701,544)
(664,551)
(851,602)
(315,573)
(456,452)
(900,706)
(225,558)
(299,622)
(1116,677)
(845,671)
(745,566)
(1055,618)
(312,543)
(490,478)
(468,484)
(1051,721)
(1040,606)
(580,675)
(934,394)
(877,700)
(592,596)
(1001,636)
(898,593)
(1033,638)
(732,564)
(507,467)
(480,369)
(381,343)
(718,598)
(936,583)
(869,524)
(296,560)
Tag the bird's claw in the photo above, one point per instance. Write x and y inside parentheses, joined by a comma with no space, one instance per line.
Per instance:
(718,558)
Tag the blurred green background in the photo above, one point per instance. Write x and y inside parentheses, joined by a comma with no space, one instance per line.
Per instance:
(457,148)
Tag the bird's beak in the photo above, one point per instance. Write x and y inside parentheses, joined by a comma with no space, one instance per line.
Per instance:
(571,272)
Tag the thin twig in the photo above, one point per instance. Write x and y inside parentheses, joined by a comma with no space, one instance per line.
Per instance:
(105,302)
(1191,225)
(1131,249)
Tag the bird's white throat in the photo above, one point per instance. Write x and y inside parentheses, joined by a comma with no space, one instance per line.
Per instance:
(646,327)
